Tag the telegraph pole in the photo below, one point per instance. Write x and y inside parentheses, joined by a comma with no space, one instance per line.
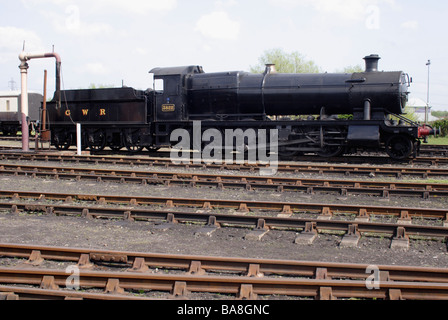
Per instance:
(12,85)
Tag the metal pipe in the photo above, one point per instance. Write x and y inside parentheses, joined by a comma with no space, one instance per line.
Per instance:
(44,105)
(367,110)
(24,58)
(24,107)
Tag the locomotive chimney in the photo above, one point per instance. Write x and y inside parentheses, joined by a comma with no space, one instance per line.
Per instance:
(270,68)
(372,63)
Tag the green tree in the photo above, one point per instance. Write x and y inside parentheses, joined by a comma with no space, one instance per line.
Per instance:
(440,114)
(100,86)
(443,125)
(353,69)
(410,114)
(285,62)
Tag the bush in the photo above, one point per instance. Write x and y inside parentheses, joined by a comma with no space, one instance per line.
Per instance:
(443,124)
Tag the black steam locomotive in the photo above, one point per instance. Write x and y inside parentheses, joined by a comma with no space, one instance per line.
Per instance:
(306,110)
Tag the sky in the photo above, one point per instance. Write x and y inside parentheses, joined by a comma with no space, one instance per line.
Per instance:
(110,42)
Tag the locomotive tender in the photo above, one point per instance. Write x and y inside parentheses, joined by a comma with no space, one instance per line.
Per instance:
(125,117)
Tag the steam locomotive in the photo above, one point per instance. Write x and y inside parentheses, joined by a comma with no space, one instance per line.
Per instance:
(306,110)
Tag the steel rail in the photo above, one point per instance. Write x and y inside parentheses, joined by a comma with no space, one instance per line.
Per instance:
(424,149)
(243,287)
(431,156)
(25,293)
(325,210)
(359,170)
(310,186)
(201,264)
(432,150)
(260,223)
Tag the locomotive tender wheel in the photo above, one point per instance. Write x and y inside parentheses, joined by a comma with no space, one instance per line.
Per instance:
(115,142)
(96,140)
(399,147)
(62,141)
(13,132)
(132,141)
(134,148)
(115,148)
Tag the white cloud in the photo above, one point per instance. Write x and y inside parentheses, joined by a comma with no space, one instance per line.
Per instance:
(71,21)
(218,25)
(134,6)
(207,48)
(141,51)
(86,29)
(95,69)
(77,17)
(412,25)
(346,9)
(11,42)
(146,5)
(226,3)
(349,9)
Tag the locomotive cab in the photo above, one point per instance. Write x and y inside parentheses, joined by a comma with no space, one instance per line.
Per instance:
(170,99)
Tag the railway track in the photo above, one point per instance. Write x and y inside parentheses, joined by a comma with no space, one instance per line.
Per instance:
(314,168)
(308,220)
(31,293)
(251,182)
(265,215)
(240,277)
(425,150)
(324,210)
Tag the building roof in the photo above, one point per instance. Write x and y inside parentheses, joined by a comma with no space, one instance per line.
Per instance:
(419,108)
(416,102)
(14,93)
(10,93)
